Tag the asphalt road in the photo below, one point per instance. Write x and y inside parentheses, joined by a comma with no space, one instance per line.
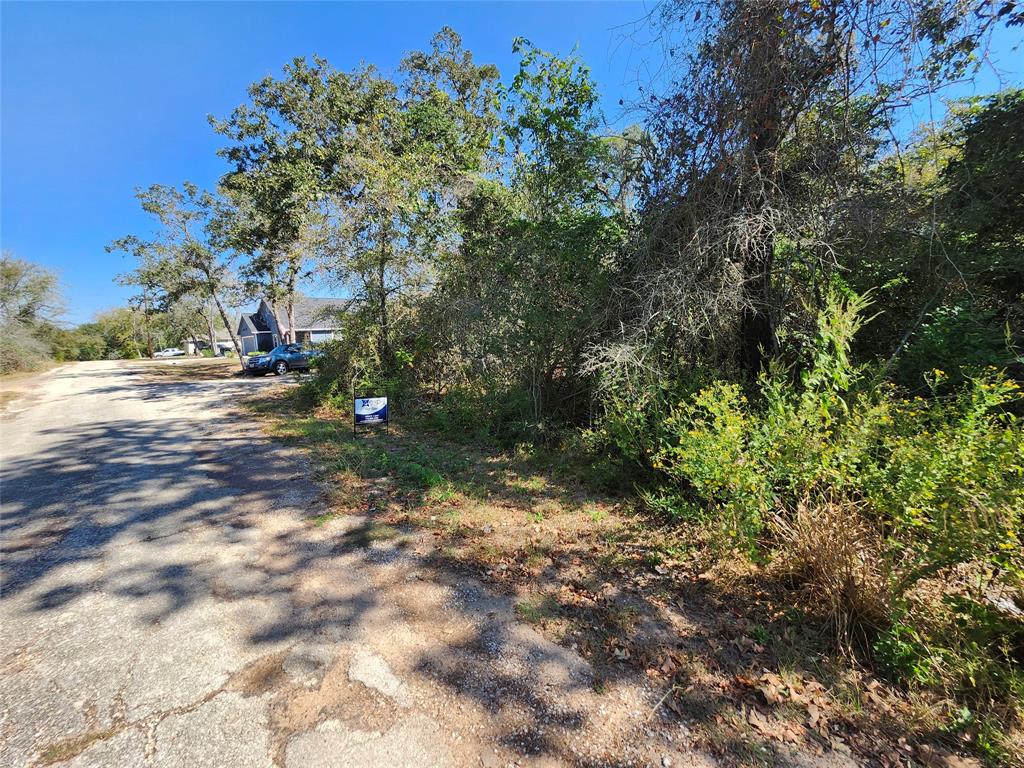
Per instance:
(167,601)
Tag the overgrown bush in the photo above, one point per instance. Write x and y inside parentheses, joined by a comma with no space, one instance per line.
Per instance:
(21,348)
(901,515)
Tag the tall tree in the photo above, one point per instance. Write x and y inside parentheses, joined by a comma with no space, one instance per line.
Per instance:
(722,202)
(395,214)
(522,295)
(357,173)
(184,260)
(288,146)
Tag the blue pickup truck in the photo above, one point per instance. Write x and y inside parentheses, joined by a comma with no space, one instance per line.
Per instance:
(281,359)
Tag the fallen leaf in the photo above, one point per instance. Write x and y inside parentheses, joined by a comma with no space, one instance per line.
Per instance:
(813,715)
(759,721)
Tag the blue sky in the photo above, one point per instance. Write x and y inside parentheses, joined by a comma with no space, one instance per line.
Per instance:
(99,98)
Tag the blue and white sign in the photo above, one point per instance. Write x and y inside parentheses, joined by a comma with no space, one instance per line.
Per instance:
(371,410)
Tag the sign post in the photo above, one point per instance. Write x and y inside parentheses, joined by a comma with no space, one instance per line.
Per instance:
(370,410)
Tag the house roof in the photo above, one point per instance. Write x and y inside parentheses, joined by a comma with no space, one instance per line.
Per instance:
(253,323)
(312,313)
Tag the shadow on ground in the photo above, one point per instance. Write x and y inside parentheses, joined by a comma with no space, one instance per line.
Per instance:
(95,490)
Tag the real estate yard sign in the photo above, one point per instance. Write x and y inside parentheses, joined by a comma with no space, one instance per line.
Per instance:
(370,410)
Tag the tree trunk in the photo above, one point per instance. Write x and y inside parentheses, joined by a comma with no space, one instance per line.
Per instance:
(145,322)
(383,347)
(211,329)
(291,319)
(231,331)
(277,319)
(758,339)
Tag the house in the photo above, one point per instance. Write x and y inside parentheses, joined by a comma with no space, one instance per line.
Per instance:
(316,320)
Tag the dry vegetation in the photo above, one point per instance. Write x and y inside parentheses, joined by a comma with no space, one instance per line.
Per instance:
(187,369)
(720,637)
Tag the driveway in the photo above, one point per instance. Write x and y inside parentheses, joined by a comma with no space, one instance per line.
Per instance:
(167,600)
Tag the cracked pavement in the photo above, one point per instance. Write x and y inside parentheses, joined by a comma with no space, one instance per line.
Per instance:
(166,601)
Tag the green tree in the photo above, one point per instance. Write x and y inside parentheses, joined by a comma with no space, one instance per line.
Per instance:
(30,305)
(357,174)
(521,296)
(938,232)
(984,202)
(183,267)
(288,146)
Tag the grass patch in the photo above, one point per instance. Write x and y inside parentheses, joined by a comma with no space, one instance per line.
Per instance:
(66,749)
(538,610)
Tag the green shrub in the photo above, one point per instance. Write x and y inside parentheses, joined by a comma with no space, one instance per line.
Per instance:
(711,454)
(484,412)
(940,478)
(953,337)
(901,651)
(902,515)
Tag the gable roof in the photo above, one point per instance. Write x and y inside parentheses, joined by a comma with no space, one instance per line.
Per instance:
(252,323)
(316,313)
(311,314)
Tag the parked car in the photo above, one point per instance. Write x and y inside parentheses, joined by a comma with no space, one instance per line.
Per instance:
(281,359)
(170,352)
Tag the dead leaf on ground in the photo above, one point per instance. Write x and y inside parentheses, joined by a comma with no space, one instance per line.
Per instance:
(773,688)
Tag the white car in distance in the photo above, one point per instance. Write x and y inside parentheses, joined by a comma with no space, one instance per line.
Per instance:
(170,352)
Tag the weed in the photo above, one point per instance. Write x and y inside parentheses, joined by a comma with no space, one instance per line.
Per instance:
(538,610)
(68,748)
(442,493)
(759,634)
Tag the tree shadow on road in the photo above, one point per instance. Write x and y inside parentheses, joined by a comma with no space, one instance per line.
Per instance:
(172,513)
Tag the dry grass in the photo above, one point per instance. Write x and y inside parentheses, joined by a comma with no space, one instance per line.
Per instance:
(838,556)
(187,368)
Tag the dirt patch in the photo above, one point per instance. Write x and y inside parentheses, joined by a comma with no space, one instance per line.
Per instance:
(295,708)
(8,396)
(187,369)
(20,389)
(337,697)
(259,677)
